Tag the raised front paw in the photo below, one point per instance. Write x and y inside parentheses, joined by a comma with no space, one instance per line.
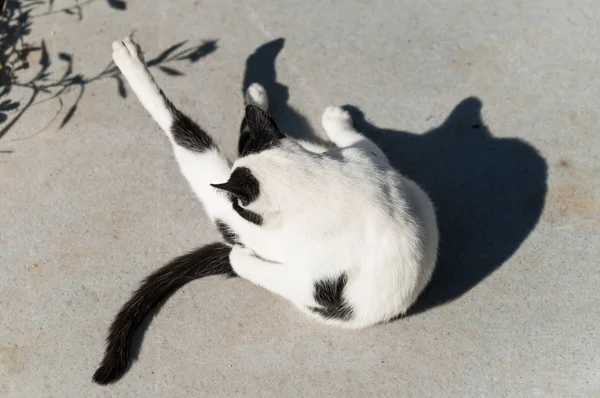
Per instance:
(127,55)
(336,118)
(257,95)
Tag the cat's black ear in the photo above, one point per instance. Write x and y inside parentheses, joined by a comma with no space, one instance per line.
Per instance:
(242,184)
(262,131)
(259,121)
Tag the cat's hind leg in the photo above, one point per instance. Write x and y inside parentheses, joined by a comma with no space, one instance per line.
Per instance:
(199,158)
(338,125)
(289,282)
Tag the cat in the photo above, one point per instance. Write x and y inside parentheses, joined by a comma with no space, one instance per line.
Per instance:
(335,230)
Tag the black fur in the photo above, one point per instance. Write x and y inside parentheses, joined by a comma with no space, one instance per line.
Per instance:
(186,133)
(242,184)
(212,259)
(247,215)
(259,132)
(228,234)
(329,294)
(244,136)
(243,188)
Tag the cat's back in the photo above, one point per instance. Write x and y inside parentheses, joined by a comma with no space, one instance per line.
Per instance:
(357,200)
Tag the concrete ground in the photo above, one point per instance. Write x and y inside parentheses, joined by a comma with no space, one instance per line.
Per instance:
(492,107)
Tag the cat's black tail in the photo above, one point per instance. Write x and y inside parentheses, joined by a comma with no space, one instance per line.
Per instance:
(212,259)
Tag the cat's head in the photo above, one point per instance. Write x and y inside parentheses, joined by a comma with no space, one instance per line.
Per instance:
(261,179)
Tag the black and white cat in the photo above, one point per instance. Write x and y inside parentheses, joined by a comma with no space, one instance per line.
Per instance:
(336,231)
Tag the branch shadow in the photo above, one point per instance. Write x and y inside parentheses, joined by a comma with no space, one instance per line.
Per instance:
(50,85)
(489,194)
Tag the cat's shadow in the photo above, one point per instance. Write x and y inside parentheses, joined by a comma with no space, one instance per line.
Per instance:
(489,192)
(260,68)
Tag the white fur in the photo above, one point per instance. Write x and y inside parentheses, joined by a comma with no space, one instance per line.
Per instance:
(256,95)
(326,211)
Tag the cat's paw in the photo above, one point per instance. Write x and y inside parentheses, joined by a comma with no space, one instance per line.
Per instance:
(239,259)
(336,118)
(127,55)
(257,95)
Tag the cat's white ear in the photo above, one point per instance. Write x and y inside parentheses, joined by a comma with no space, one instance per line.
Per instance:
(242,184)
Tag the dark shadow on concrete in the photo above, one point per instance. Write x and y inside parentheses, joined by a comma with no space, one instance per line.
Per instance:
(260,68)
(489,194)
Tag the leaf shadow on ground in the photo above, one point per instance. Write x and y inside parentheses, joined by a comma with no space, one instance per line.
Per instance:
(53,83)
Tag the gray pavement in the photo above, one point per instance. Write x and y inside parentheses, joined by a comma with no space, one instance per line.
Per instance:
(492,107)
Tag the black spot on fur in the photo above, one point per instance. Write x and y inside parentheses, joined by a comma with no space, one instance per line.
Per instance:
(242,184)
(247,215)
(243,188)
(186,133)
(228,234)
(258,132)
(329,294)
(212,259)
